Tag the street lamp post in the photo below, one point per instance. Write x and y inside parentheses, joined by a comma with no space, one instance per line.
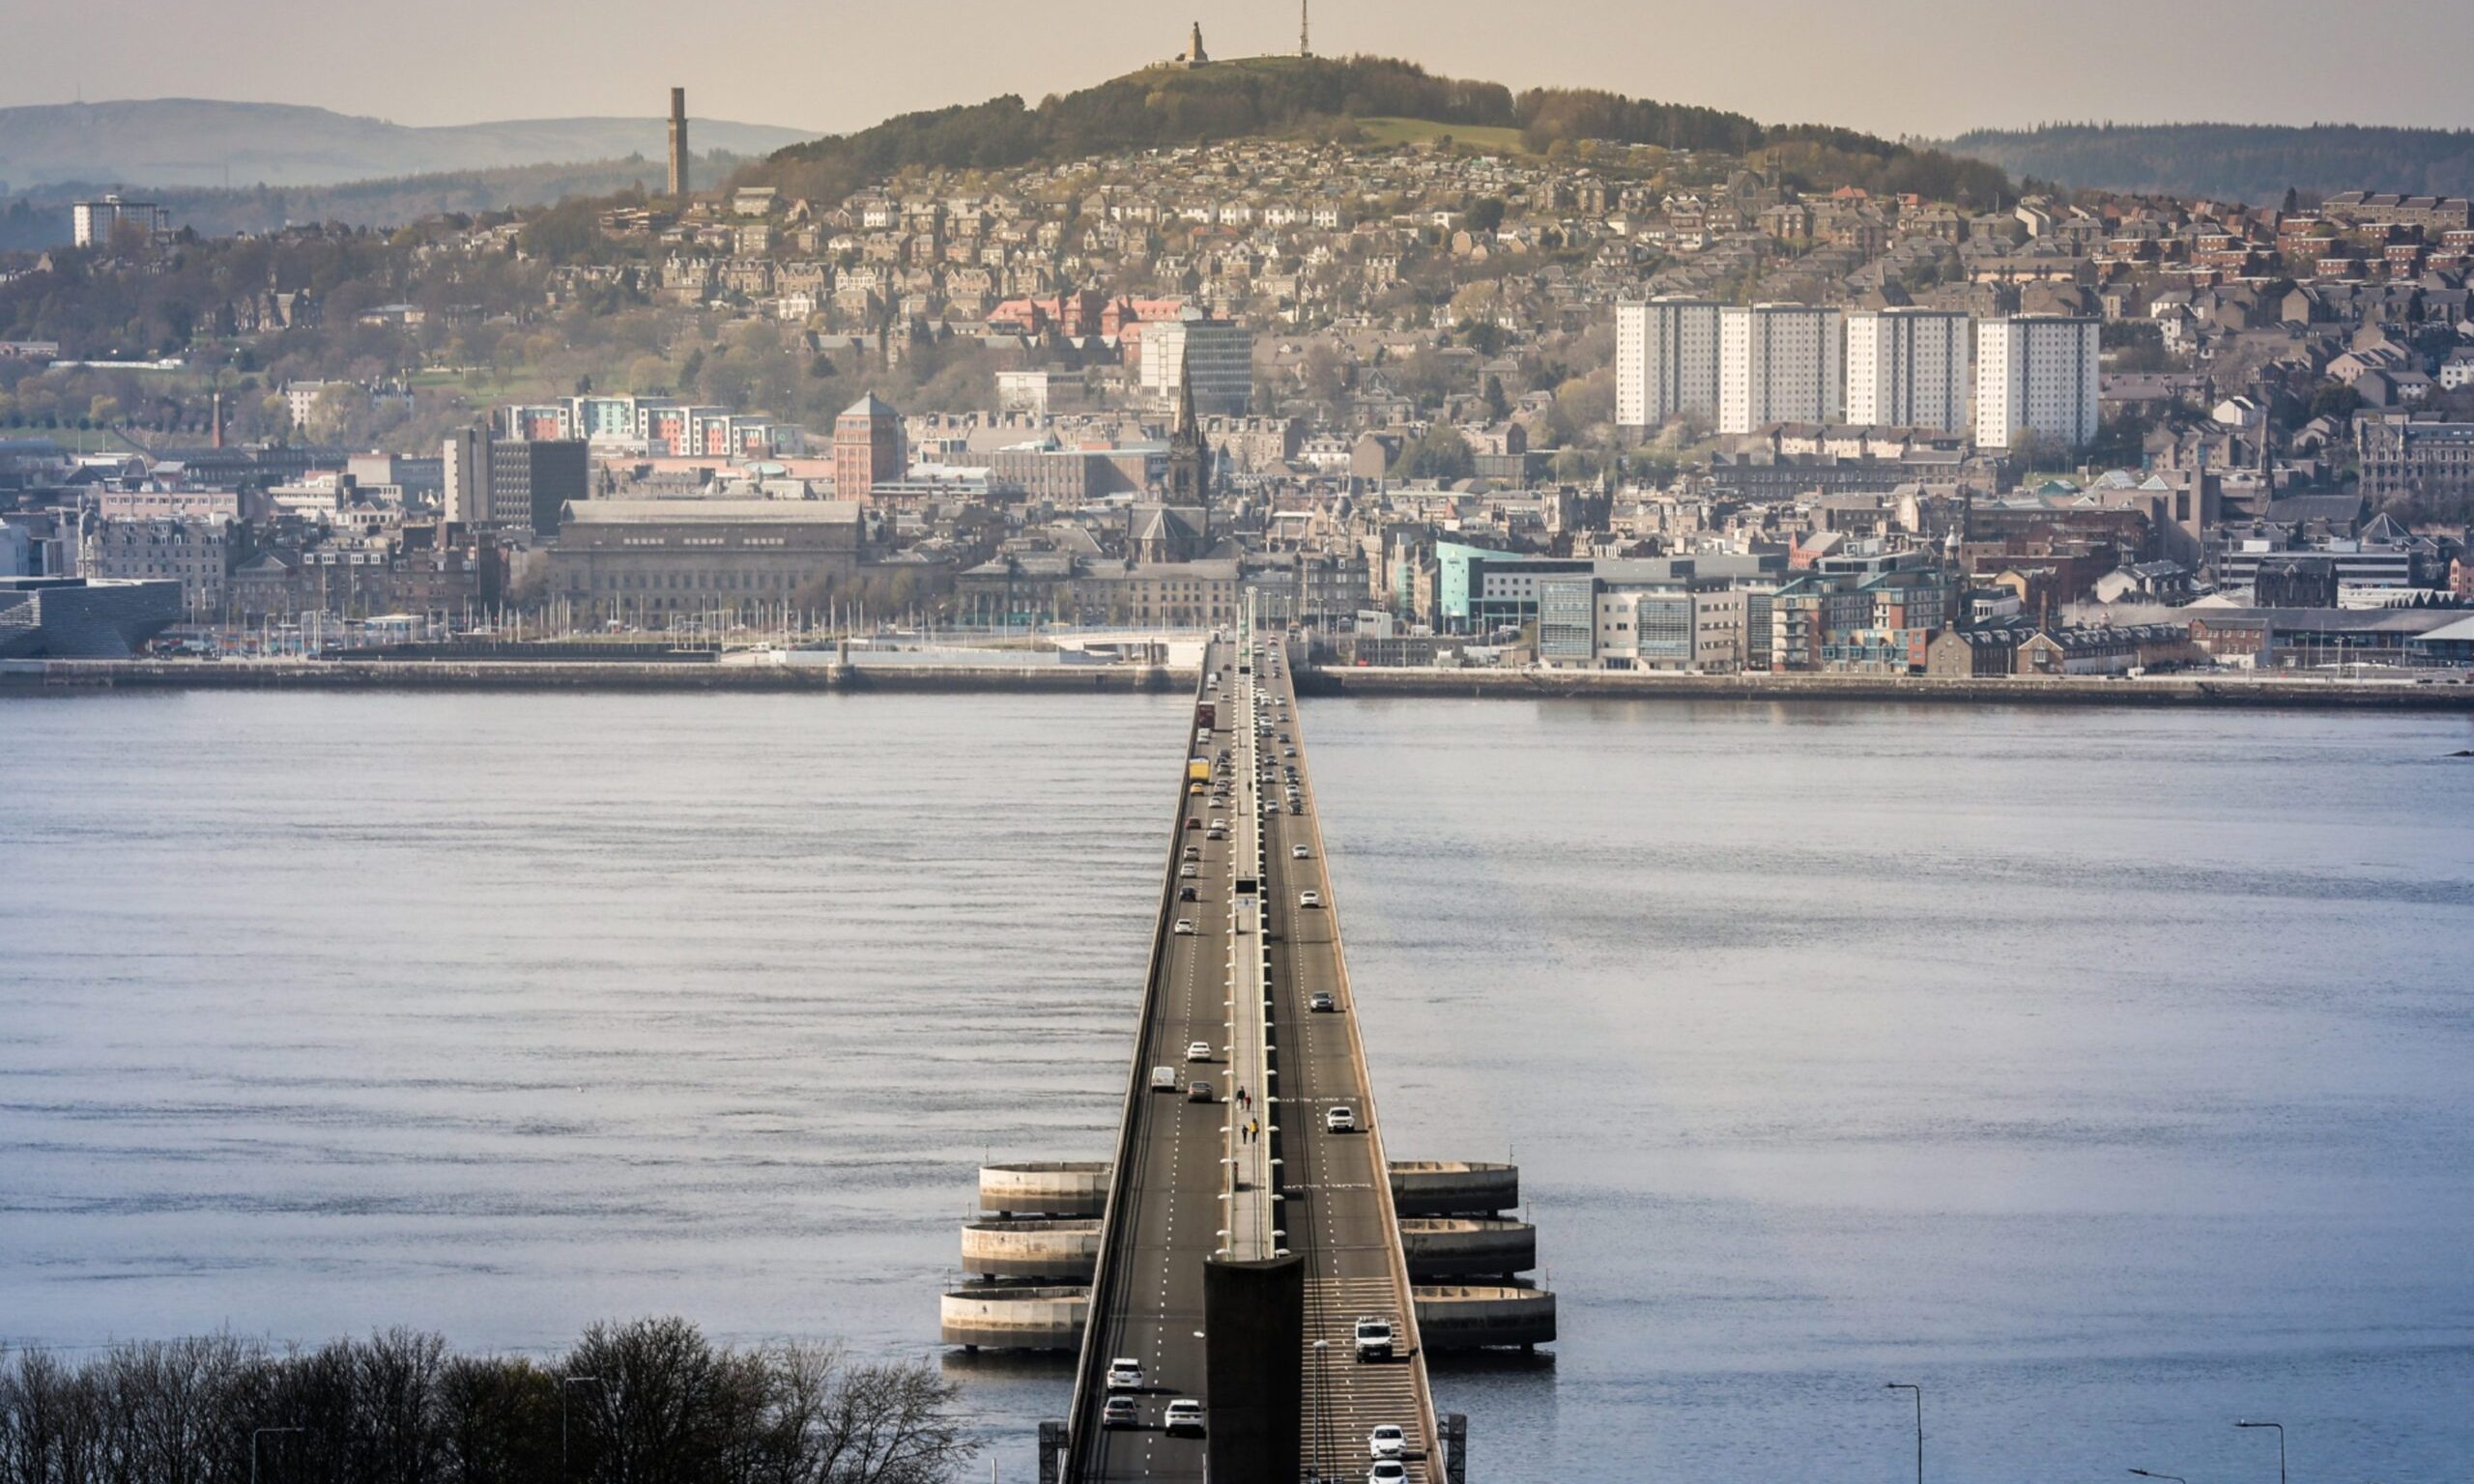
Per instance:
(254,1435)
(1322,1410)
(2280,1427)
(564,1382)
(1902,1386)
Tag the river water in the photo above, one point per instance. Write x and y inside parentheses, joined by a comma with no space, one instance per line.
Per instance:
(2109,1074)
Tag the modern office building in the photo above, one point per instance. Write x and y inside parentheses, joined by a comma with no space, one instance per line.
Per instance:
(1218,355)
(1907,367)
(1780,363)
(2035,374)
(1666,362)
(465,459)
(530,481)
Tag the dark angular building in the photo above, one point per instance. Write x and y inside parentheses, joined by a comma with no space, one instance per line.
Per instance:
(532,482)
(82,618)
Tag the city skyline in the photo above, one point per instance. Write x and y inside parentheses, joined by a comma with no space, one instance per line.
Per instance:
(2289,64)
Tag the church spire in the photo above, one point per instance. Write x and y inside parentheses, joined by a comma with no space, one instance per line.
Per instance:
(1188,469)
(1187,426)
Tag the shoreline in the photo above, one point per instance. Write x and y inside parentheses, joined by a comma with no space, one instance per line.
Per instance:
(27,678)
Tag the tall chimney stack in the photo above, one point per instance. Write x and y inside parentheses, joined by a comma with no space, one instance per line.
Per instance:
(678,142)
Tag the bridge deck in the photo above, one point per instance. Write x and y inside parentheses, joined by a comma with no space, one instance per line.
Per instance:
(1167,1210)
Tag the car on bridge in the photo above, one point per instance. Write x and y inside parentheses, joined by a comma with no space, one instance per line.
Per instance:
(1188,871)
(1164,1080)
(1125,1374)
(1187,893)
(1387,1441)
(1310,898)
(1185,927)
(1183,1415)
(1198,1051)
(1388,1471)
(1322,1004)
(1342,1120)
(1298,852)
(1373,1338)
(1120,1412)
(1199,1092)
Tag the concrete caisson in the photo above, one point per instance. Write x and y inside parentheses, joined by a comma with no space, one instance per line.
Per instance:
(1466,1246)
(1002,1318)
(1469,1316)
(1452,1188)
(1061,1250)
(1046,1188)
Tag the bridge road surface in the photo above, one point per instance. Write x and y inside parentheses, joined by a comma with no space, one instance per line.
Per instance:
(1154,1312)
(1338,1215)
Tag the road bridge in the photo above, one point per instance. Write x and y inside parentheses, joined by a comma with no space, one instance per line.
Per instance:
(1249,1220)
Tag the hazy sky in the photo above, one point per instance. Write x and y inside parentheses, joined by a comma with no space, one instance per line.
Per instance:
(1926,67)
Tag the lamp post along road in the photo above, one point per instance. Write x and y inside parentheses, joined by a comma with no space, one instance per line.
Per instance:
(1902,1386)
(2280,1427)
(565,1470)
(254,1435)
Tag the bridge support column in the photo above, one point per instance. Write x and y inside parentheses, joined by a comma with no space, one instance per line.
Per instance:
(1254,1321)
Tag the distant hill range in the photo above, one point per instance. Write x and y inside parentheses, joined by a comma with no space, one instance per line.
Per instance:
(2253,162)
(166,142)
(40,218)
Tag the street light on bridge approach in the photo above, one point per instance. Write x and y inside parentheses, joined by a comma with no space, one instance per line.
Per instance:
(1903,1385)
(2280,1427)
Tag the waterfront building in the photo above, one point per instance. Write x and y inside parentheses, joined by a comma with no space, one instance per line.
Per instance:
(651,561)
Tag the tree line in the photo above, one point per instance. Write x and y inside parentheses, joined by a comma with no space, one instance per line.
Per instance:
(2254,162)
(647,1402)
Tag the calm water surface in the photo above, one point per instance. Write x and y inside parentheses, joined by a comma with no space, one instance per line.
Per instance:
(2111,1074)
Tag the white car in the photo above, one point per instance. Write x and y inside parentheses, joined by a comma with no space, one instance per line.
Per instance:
(1126,1375)
(1373,1339)
(1339,1121)
(1310,898)
(1297,852)
(1164,1080)
(1185,927)
(1385,1441)
(1188,871)
(1183,1415)
(1198,1051)
(1388,1471)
